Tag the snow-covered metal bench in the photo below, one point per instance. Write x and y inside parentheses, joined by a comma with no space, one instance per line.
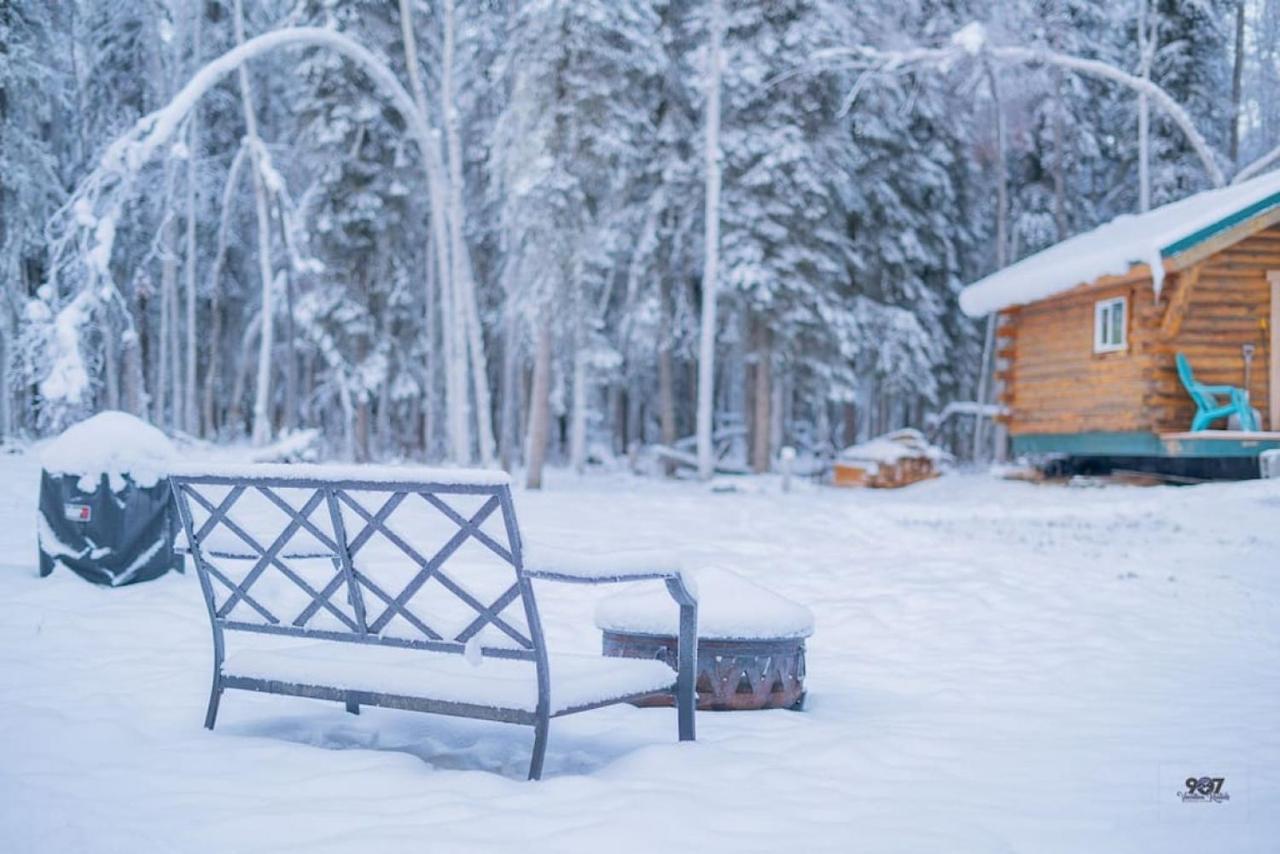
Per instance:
(404,588)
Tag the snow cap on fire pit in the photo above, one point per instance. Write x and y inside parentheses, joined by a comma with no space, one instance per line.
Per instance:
(729,606)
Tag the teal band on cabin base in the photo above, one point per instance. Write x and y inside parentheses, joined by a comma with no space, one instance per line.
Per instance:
(1142,444)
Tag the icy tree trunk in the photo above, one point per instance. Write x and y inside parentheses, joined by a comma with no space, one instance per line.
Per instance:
(463,274)
(507,428)
(776,417)
(1144,155)
(133,374)
(454,320)
(578,416)
(763,397)
(165,404)
(262,391)
(110,362)
(190,422)
(540,403)
(290,359)
(1146,55)
(1237,87)
(348,417)
(666,388)
(1059,162)
(1002,243)
(711,261)
(6,376)
(430,366)
(511,379)
(175,338)
(362,430)
(209,416)
(252,331)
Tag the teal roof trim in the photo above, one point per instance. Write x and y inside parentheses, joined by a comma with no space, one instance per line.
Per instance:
(1242,215)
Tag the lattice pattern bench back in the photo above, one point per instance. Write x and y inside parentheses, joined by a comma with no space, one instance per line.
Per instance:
(434,565)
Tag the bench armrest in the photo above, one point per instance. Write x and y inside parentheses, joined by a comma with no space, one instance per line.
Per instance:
(603,568)
(587,568)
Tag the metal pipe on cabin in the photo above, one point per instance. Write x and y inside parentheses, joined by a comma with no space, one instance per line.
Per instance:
(1247,351)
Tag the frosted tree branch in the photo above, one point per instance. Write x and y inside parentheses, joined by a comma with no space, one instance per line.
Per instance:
(970,42)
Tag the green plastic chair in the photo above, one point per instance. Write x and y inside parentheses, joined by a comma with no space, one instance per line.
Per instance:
(1208,409)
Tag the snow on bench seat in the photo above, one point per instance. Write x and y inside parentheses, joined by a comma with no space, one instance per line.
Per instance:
(577,681)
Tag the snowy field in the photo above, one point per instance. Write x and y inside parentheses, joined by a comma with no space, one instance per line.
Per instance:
(997,667)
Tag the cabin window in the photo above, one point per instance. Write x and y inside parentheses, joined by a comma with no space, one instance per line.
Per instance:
(1109,325)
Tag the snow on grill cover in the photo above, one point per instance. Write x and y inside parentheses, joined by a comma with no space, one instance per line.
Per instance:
(106,512)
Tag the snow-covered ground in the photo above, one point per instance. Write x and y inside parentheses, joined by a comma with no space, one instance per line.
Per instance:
(996,667)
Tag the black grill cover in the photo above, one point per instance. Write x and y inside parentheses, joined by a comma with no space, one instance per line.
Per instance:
(106,537)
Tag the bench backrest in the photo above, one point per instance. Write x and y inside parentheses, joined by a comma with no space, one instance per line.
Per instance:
(405,557)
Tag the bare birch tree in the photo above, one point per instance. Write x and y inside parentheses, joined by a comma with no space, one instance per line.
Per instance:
(453,322)
(711,263)
(463,274)
(189,420)
(262,390)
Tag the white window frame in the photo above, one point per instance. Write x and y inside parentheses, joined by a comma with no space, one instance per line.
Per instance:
(1103,312)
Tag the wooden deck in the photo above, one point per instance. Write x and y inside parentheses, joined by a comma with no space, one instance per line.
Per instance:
(1220,443)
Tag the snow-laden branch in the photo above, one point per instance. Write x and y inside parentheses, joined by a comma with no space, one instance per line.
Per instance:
(132,151)
(1143,86)
(970,42)
(1258,166)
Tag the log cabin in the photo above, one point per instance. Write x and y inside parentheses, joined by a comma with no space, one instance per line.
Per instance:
(1087,333)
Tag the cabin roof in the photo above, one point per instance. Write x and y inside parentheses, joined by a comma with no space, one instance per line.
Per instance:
(1113,249)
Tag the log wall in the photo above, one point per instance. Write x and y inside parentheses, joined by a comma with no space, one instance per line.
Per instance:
(1228,307)
(1053,382)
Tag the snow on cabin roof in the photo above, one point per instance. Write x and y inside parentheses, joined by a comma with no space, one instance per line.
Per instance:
(1112,249)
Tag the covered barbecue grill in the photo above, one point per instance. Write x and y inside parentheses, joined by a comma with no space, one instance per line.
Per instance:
(106,512)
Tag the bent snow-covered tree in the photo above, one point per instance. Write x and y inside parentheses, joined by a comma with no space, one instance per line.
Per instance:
(84,229)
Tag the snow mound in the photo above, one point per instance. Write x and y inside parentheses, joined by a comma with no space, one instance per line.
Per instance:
(114,444)
(729,606)
(1112,249)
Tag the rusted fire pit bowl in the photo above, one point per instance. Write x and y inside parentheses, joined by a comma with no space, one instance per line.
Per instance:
(750,641)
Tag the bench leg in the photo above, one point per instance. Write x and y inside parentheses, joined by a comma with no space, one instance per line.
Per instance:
(687,675)
(353,707)
(539,747)
(215,694)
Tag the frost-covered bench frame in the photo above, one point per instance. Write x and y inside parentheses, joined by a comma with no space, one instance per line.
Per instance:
(333,487)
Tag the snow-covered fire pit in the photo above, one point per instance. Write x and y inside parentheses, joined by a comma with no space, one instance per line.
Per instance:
(750,640)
